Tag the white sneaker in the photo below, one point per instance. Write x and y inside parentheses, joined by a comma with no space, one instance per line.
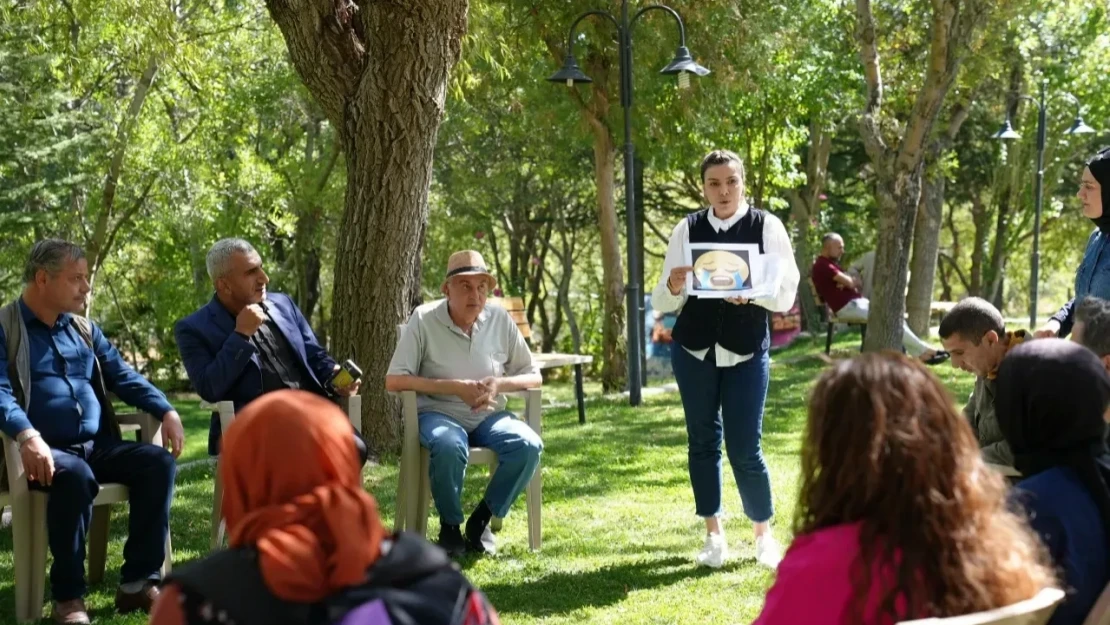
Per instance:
(768,552)
(714,552)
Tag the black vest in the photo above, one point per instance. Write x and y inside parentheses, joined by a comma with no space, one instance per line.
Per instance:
(703,323)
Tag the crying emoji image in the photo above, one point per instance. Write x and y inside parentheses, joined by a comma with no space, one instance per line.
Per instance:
(720,271)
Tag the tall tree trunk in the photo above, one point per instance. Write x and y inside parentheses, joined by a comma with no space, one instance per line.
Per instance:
(379,72)
(926,246)
(980,216)
(899,169)
(997,270)
(614,357)
(805,209)
(930,216)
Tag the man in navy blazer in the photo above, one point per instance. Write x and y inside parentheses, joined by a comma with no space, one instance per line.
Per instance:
(245,342)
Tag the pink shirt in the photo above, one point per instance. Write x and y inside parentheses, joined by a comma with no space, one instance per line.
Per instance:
(814,586)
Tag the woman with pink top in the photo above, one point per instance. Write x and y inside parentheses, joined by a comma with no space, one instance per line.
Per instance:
(898,516)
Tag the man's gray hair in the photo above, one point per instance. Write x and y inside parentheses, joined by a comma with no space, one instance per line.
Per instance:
(219,257)
(50,255)
(1094,314)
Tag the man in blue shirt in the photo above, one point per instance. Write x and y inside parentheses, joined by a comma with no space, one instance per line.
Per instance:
(56,370)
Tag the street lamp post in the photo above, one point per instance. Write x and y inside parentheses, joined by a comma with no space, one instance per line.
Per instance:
(1007,133)
(682,65)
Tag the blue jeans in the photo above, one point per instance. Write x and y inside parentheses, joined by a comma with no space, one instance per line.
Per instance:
(518,450)
(728,399)
(148,473)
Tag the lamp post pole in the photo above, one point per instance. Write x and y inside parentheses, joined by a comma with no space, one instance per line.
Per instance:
(682,65)
(1007,133)
(1035,269)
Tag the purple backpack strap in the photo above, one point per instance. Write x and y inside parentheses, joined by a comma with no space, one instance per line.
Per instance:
(370,613)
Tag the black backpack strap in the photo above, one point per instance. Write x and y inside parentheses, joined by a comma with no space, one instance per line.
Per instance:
(415,580)
(232,583)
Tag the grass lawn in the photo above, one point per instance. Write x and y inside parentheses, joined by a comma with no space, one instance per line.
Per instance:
(619,529)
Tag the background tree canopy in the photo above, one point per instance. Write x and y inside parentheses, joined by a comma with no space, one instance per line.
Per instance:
(147,130)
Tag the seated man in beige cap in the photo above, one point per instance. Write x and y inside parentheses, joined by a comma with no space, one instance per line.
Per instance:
(460,356)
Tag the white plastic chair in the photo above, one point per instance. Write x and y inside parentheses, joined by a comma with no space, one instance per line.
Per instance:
(351,405)
(29,522)
(1035,611)
(414,490)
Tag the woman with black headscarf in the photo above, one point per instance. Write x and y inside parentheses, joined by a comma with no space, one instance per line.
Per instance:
(1093,277)
(1050,399)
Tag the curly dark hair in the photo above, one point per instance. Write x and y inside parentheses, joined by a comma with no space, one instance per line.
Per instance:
(886,447)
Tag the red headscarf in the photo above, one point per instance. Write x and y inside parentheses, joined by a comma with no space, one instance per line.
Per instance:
(292,489)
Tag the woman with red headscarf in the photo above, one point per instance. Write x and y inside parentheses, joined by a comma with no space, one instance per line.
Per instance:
(306,543)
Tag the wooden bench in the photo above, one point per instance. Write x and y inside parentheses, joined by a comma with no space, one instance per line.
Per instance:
(515,306)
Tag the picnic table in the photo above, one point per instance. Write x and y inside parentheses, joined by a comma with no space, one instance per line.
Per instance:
(515,306)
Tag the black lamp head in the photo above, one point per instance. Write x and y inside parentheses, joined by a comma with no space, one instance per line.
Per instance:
(570,73)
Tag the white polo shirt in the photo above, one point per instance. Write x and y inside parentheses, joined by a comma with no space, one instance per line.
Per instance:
(433,347)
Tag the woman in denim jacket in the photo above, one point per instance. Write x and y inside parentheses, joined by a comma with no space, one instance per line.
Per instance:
(1093,277)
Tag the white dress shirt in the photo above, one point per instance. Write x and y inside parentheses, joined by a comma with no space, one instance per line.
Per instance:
(775,241)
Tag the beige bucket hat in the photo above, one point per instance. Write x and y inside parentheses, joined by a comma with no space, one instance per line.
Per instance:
(469,263)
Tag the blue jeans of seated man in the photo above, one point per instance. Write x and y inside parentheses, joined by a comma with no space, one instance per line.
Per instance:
(517,447)
(729,400)
(148,473)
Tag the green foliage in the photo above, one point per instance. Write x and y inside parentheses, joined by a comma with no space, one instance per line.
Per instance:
(227,143)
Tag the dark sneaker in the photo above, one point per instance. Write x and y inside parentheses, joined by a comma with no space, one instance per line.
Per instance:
(451,540)
(937,358)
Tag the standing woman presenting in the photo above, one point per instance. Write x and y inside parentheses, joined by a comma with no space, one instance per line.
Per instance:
(1093,276)
(721,360)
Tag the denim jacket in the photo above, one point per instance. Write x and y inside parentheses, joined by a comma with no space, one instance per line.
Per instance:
(1093,278)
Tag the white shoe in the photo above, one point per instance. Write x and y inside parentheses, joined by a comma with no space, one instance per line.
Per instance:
(768,552)
(714,552)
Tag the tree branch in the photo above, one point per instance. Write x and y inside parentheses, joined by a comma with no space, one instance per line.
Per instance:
(324,48)
(953,24)
(959,274)
(866,38)
(115,166)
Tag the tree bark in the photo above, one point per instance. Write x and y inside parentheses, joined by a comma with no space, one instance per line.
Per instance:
(980,217)
(379,72)
(899,169)
(926,246)
(805,209)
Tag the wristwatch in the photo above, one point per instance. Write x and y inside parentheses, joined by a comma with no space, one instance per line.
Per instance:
(26,435)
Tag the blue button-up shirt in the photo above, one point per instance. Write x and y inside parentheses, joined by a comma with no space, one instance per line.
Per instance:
(63,406)
(1092,279)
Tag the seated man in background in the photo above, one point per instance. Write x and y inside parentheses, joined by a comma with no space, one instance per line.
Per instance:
(975,334)
(1092,328)
(56,373)
(245,341)
(460,355)
(841,292)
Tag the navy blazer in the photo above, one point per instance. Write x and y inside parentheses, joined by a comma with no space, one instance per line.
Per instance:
(223,366)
